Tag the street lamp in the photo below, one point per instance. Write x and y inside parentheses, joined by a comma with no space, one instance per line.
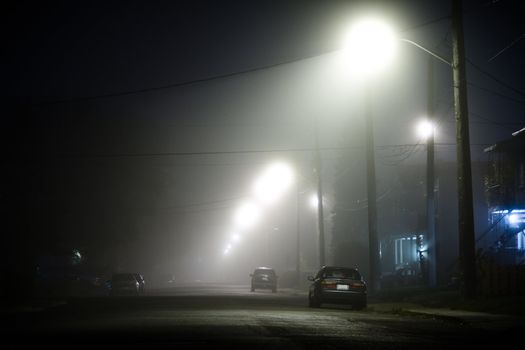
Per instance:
(465,197)
(370,46)
(427,131)
(273,183)
(247,215)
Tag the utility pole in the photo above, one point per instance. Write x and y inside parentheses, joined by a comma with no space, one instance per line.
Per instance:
(431,211)
(465,198)
(373,241)
(298,239)
(320,216)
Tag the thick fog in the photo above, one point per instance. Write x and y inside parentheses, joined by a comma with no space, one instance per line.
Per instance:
(150,181)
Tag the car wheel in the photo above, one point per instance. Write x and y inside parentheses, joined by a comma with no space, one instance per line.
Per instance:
(313,302)
(359,306)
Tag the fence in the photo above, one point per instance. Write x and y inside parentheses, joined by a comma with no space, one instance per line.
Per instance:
(500,280)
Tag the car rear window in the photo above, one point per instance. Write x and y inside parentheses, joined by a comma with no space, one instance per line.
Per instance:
(343,273)
(264,272)
(123,277)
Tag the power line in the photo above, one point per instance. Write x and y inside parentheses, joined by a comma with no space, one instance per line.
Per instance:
(496,93)
(514,42)
(506,126)
(176,85)
(211,78)
(499,81)
(251,151)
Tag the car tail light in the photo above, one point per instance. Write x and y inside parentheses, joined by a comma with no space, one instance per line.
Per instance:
(328,284)
(358,284)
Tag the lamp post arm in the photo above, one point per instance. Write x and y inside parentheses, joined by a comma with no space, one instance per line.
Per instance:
(442,59)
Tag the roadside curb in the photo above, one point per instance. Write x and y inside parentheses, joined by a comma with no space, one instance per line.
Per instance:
(444,314)
(436,315)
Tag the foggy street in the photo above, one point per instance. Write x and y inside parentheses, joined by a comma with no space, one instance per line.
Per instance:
(218,173)
(201,315)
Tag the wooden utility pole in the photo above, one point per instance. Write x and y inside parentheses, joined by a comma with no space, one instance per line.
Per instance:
(320,215)
(431,211)
(373,242)
(465,198)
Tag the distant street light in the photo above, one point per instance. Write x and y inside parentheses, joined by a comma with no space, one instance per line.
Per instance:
(271,185)
(274,181)
(426,130)
(314,201)
(247,215)
(227,250)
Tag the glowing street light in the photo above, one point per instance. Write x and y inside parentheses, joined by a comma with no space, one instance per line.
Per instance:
(227,249)
(236,237)
(247,215)
(314,201)
(273,182)
(370,45)
(425,129)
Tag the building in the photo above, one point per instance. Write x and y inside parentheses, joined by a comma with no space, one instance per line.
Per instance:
(504,240)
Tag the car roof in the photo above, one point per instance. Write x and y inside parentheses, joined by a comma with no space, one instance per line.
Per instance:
(338,268)
(264,269)
(124,275)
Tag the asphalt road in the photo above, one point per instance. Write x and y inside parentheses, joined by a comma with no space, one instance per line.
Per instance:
(233,317)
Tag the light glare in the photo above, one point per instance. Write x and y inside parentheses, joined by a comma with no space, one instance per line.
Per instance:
(370,45)
(247,215)
(273,183)
(425,129)
(314,201)
(514,219)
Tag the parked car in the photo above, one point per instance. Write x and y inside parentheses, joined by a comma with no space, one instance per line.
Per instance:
(402,277)
(142,283)
(264,278)
(337,285)
(124,284)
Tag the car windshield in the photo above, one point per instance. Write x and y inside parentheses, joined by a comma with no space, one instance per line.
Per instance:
(343,273)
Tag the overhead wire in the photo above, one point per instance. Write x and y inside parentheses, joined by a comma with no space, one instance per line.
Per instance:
(207,79)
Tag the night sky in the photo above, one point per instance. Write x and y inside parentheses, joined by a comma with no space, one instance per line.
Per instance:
(134,128)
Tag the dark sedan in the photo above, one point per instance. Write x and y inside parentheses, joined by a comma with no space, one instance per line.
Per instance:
(124,284)
(337,285)
(264,278)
